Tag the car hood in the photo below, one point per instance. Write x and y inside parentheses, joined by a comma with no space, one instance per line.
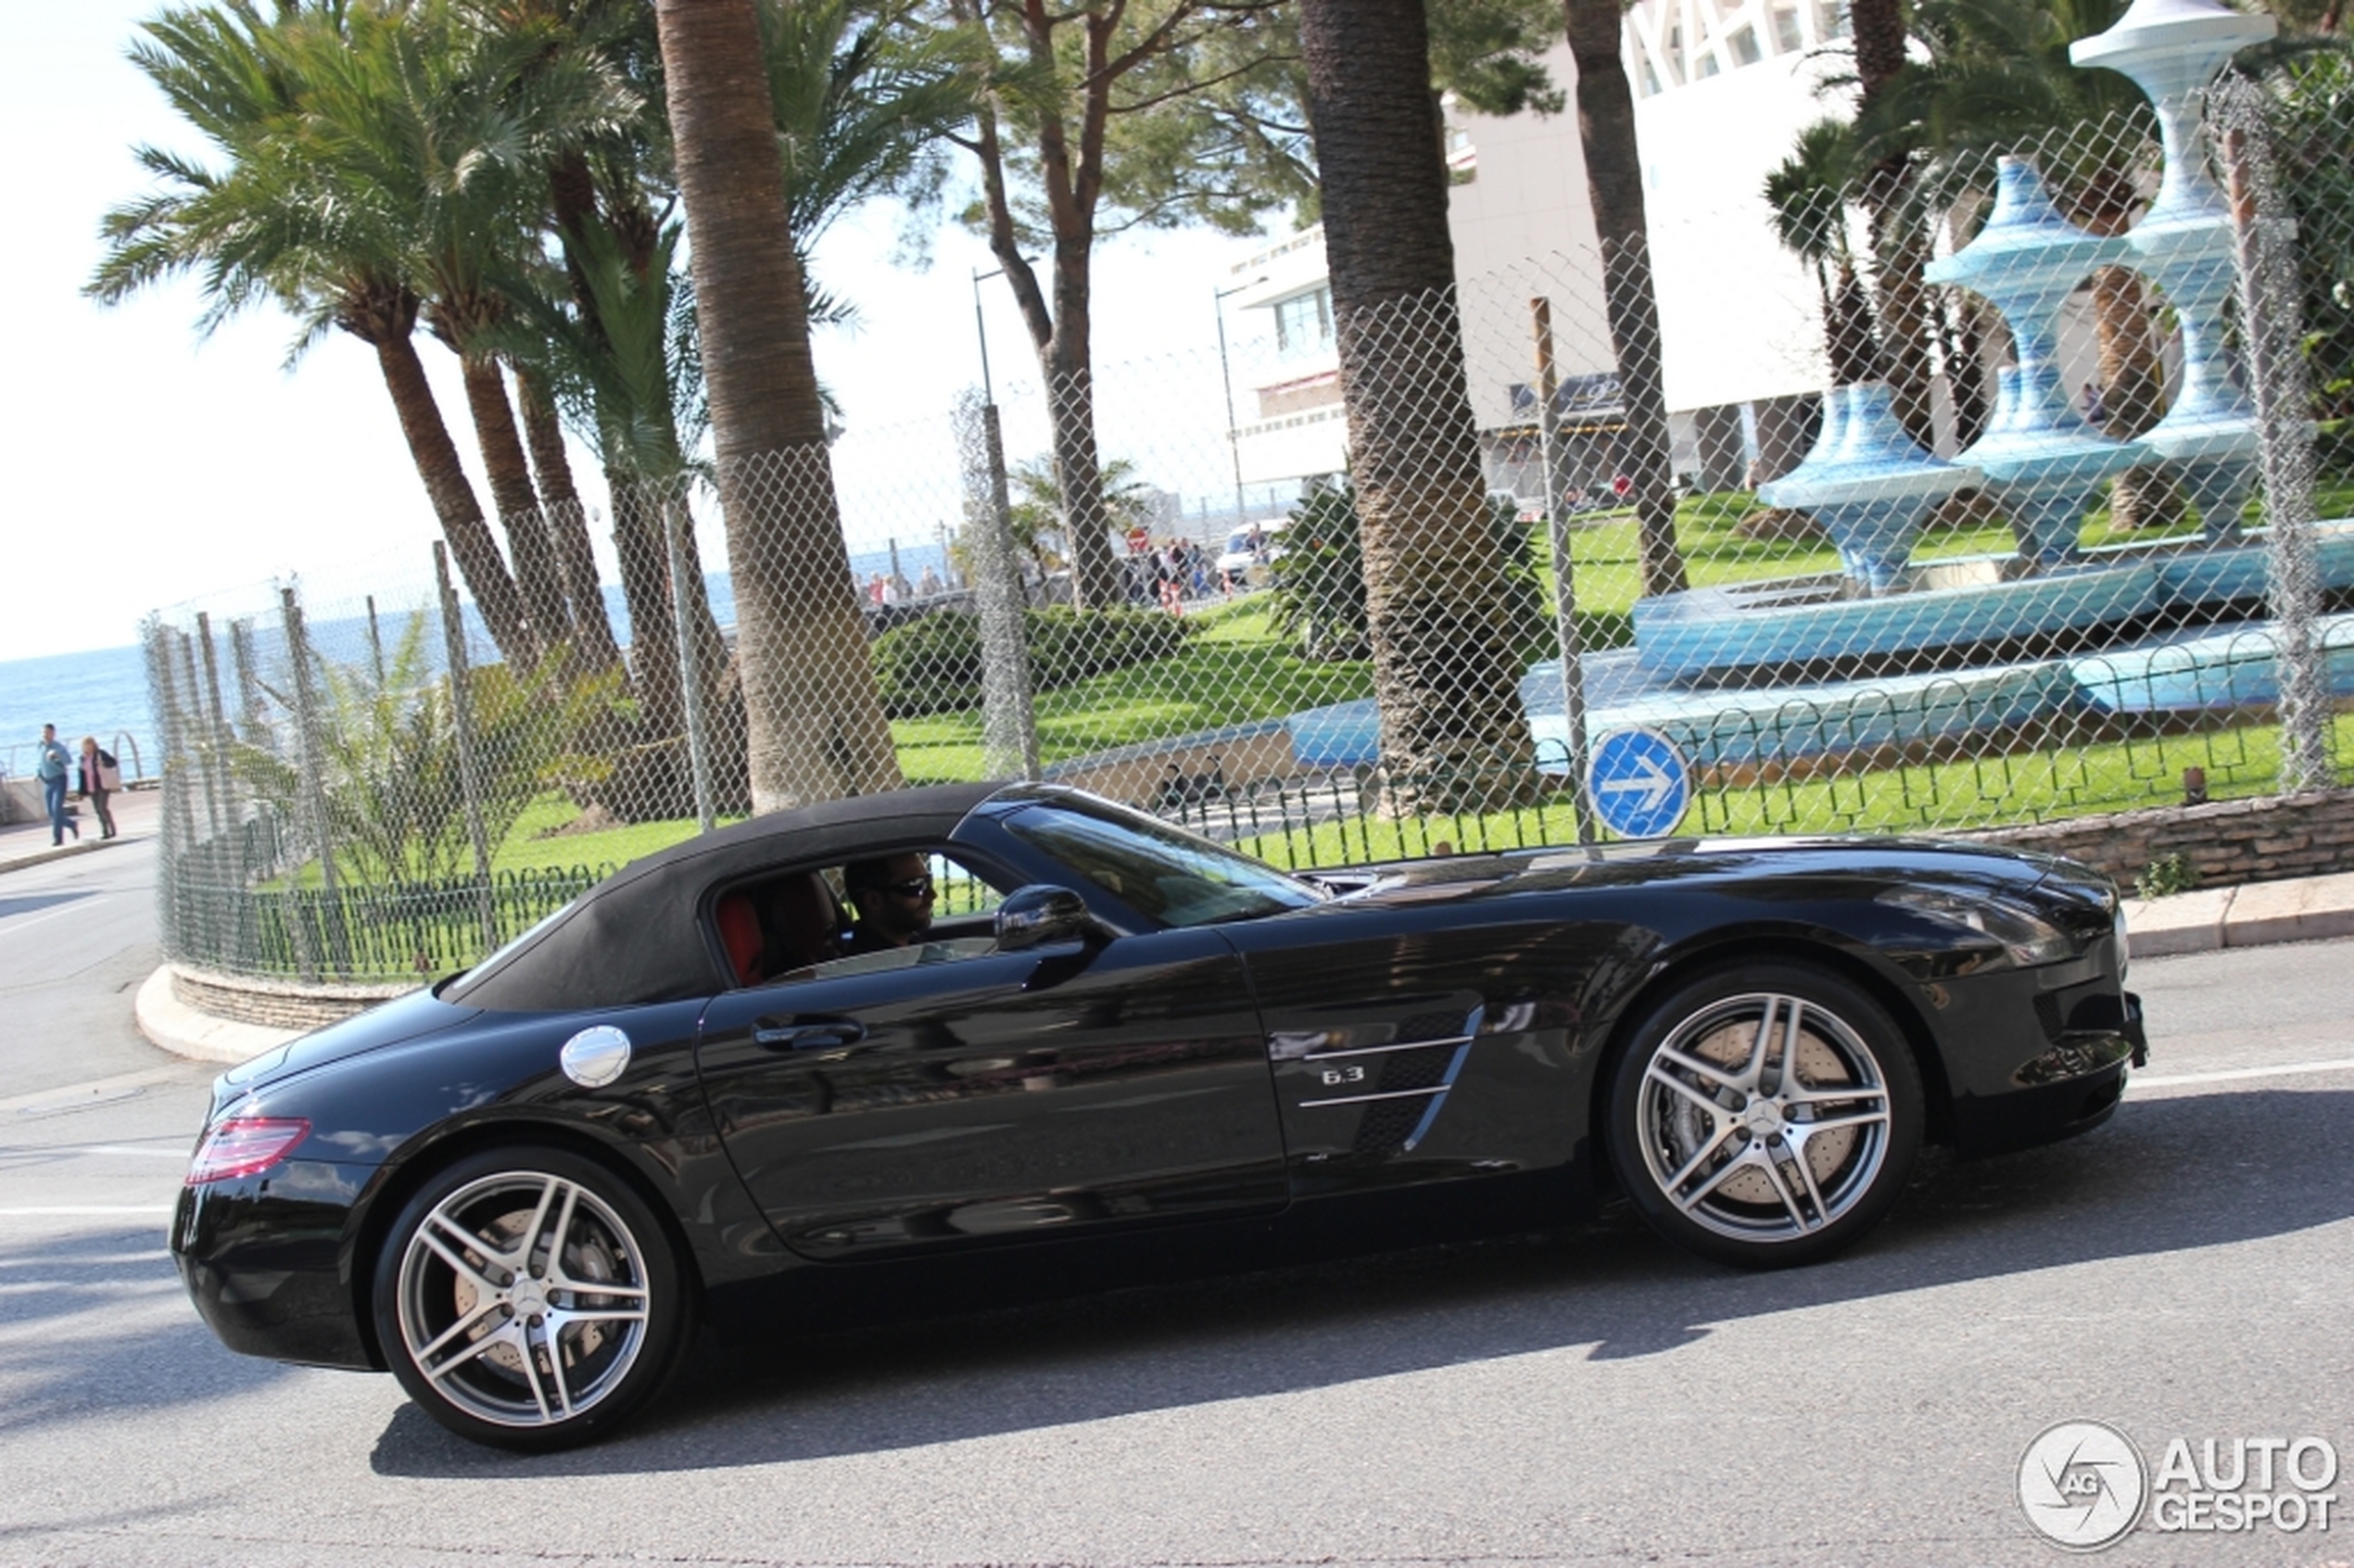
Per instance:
(1701,860)
(405,1018)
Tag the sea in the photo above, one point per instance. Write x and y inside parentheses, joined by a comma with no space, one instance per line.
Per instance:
(104,691)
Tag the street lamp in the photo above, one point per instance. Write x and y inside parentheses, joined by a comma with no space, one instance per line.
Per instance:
(987,395)
(1226,379)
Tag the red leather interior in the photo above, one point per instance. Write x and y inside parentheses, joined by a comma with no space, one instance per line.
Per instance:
(740,930)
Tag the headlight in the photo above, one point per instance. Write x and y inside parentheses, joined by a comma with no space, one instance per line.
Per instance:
(2025,936)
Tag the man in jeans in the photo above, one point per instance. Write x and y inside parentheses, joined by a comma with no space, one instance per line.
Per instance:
(55,766)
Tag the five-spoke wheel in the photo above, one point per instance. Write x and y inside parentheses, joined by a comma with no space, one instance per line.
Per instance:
(1764,1115)
(527,1297)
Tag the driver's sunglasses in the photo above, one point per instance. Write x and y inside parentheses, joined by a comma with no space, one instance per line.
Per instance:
(913,887)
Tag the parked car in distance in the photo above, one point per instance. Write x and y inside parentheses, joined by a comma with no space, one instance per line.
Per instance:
(1250,551)
(700,1092)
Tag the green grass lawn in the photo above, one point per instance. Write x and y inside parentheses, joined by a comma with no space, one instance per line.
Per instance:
(2013,790)
(1238,669)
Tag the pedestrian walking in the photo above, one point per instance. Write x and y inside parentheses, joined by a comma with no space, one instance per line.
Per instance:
(98,778)
(54,768)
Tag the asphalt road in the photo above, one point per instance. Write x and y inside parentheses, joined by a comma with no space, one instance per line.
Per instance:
(1587,1397)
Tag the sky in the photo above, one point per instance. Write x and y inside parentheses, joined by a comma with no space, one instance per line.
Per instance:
(153,469)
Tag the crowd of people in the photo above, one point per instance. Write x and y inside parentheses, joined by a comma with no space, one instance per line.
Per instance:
(92,777)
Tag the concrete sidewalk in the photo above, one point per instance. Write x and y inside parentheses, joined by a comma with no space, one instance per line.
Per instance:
(25,841)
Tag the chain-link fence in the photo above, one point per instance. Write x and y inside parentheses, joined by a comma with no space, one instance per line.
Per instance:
(2065,536)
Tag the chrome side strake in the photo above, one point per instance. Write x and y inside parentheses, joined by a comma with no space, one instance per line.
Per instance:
(1422,1128)
(1362,1099)
(1377,1050)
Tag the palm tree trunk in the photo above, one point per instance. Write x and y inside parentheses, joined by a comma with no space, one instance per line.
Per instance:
(2132,381)
(2133,390)
(1899,240)
(645,586)
(1852,361)
(567,524)
(1900,252)
(454,500)
(1453,735)
(509,471)
(815,720)
(1615,189)
(1060,332)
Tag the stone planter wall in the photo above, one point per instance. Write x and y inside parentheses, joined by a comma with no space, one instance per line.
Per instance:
(2265,840)
(275,1004)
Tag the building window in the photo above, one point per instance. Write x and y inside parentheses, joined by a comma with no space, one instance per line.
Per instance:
(1831,18)
(1742,42)
(1788,40)
(1304,324)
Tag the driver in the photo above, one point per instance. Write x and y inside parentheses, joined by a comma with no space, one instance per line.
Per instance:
(893,898)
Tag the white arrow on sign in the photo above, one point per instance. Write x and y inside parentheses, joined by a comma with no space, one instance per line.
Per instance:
(1655,785)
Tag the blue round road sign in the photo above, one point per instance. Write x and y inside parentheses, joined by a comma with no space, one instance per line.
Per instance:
(1640,783)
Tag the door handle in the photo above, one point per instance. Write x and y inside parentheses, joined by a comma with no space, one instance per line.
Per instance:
(817,1034)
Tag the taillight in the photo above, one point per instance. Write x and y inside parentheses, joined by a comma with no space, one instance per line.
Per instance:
(246,1145)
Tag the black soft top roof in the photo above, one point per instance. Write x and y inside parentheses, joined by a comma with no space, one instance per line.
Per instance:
(634,937)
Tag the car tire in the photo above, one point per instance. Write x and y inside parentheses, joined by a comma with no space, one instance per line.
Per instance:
(1730,1150)
(528,1298)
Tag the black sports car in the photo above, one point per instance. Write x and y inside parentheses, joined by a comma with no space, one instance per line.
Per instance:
(999,1028)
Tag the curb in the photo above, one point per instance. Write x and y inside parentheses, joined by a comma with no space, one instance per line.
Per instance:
(44,856)
(172,1025)
(2253,915)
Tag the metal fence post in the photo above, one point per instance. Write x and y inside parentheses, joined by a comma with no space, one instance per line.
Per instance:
(175,838)
(248,684)
(216,726)
(1009,721)
(463,724)
(675,521)
(2276,380)
(314,785)
(192,700)
(1572,644)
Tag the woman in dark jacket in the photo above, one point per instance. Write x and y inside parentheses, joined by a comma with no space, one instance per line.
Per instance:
(98,778)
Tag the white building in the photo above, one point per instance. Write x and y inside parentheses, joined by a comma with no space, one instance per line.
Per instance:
(1723,88)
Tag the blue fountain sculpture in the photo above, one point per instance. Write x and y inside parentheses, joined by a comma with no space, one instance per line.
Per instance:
(1871,492)
(2172,50)
(2045,465)
(1871,487)
(1829,434)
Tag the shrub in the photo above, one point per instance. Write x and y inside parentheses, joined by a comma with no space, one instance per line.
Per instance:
(932,664)
(1319,579)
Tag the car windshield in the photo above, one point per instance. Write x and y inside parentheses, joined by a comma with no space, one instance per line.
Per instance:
(1160,871)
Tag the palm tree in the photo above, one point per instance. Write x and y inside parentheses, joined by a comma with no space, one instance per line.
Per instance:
(257,231)
(864,98)
(816,727)
(438,127)
(1808,195)
(1452,731)
(1615,187)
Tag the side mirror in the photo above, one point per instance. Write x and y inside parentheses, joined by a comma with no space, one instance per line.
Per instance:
(1039,914)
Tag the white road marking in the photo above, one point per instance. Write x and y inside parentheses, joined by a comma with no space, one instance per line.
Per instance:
(27,1212)
(2226,1075)
(75,907)
(98,1090)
